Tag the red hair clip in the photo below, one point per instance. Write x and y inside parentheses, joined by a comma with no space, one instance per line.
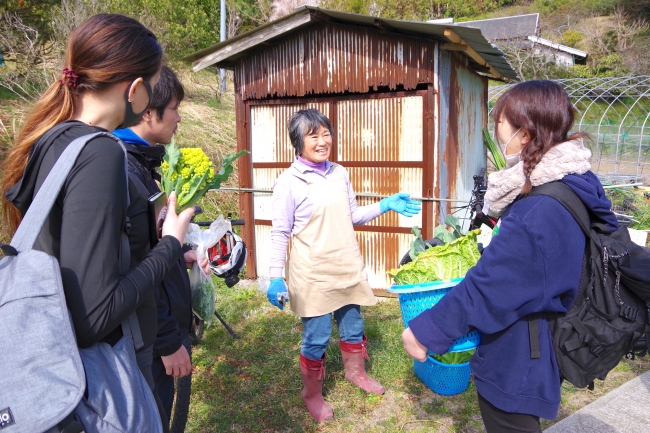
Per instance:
(73,79)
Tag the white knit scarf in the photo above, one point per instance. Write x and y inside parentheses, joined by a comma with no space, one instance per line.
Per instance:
(569,157)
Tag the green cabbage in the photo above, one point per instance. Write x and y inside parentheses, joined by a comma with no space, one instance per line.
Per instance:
(454,357)
(444,262)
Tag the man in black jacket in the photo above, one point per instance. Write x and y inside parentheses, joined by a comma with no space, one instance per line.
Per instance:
(158,125)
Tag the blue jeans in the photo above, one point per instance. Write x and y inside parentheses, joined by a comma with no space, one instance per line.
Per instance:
(317,330)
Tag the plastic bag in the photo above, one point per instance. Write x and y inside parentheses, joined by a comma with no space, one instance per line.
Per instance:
(263,286)
(203,296)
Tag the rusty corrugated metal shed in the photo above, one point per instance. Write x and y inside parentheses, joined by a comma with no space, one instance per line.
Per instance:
(335,58)
(469,40)
(407,110)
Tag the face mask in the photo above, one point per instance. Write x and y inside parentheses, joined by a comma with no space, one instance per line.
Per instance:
(511,159)
(131,118)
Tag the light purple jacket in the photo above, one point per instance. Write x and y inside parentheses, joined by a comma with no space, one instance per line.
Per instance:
(292,208)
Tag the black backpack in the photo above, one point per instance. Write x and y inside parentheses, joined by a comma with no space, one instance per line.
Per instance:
(611,310)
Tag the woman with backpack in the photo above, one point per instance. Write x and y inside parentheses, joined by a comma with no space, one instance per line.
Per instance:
(532,265)
(112,62)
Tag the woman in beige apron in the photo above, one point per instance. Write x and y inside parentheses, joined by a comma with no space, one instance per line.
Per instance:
(315,206)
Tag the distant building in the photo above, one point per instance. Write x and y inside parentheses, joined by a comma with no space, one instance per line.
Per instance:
(523,30)
(506,28)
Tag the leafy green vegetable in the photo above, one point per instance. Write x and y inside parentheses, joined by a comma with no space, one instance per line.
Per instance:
(203,300)
(453,222)
(418,245)
(189,172)
(444,262)
(497,157)
(441,232)
(454,357)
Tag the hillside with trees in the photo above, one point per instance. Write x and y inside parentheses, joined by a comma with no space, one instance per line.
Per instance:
(33,34)
(615,33)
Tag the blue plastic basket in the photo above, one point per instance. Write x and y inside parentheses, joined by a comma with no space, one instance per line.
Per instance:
(445,379)
(416,298)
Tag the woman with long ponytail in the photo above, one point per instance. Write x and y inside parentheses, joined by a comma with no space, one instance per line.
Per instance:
(112,62)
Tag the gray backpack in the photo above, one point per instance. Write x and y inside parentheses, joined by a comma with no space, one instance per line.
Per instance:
(47,383)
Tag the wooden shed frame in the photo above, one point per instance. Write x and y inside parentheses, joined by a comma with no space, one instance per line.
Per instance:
(344,63)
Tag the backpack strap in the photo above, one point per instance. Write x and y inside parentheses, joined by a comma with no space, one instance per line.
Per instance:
(570,200)
(32,224)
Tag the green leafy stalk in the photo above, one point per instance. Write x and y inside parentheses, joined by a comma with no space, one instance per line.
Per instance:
(195,192)
(172,156)
(418,245)
(454,357)
(497,156)
(225,170)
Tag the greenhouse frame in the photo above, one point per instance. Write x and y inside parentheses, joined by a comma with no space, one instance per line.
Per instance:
(616,112)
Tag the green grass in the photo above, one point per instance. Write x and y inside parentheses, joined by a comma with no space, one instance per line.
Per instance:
(632,202)
(253,384)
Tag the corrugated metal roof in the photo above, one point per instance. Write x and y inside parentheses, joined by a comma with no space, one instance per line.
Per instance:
(558,47)
(515,27)
(224,54)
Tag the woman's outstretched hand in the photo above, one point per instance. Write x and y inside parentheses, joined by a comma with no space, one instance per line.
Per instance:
(176,225)
(401,203)
(413,347)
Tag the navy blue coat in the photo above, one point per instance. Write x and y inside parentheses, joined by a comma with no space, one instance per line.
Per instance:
(532,265)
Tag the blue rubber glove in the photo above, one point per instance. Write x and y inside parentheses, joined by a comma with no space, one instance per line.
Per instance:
(276,287)
(401,204)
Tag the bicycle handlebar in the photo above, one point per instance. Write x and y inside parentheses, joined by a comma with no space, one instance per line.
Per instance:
(239,222)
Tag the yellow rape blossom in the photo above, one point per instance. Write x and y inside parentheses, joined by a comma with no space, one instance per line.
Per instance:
(190,173)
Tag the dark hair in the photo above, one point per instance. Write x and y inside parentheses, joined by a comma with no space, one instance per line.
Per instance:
(104,50)
(305,122)
(167,88)
(544,110)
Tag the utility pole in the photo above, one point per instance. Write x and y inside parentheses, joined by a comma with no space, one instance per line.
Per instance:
(222,37)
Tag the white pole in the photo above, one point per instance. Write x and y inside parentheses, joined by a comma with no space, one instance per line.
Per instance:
(222,37)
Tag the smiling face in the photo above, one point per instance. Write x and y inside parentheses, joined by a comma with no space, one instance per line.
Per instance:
(317,145)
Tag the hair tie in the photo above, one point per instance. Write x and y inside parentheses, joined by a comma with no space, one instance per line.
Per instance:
(73,79)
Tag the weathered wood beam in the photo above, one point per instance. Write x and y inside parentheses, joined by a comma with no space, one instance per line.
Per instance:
(471,52)
(454,47)
(250,41)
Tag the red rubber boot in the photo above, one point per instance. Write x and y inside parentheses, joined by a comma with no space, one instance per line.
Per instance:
(313,374)
(354,356)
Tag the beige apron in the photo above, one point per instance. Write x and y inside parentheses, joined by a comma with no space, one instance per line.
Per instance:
(325,270)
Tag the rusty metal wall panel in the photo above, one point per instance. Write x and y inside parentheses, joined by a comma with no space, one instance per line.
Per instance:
(382,252)
(262,249)
(269,135)
(470,93)
(264,178)
(387,181)
(463,116)
(337,58)
(387,129)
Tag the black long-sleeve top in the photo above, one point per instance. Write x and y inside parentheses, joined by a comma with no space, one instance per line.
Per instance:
(83,231)
(173,296)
